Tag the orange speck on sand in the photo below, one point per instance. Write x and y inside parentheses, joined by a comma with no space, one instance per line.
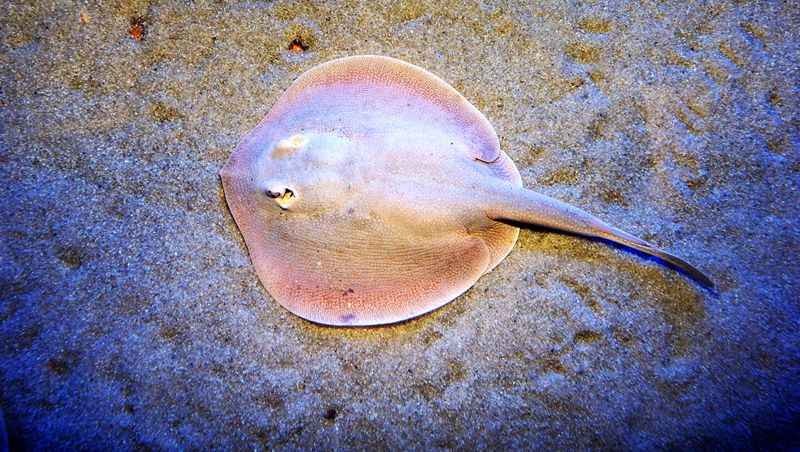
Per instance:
(295,47)
(84,16)
(138,28)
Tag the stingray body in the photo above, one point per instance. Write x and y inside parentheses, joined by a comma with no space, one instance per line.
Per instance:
(373,192)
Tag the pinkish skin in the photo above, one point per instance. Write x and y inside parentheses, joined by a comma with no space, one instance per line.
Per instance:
(372,192)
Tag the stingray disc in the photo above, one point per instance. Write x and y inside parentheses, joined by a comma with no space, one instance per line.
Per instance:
(355,193)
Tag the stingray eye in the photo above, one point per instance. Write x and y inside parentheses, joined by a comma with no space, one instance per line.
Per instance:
(283,196)
(289,146)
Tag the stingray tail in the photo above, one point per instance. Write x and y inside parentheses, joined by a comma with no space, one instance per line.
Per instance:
(616,235)
(525,206)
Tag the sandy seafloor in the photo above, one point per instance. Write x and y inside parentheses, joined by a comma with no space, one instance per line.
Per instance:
(132,318)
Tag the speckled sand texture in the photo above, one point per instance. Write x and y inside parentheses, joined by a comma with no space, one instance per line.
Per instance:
(132,319)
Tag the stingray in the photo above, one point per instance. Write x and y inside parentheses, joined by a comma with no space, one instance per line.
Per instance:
(373,192)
